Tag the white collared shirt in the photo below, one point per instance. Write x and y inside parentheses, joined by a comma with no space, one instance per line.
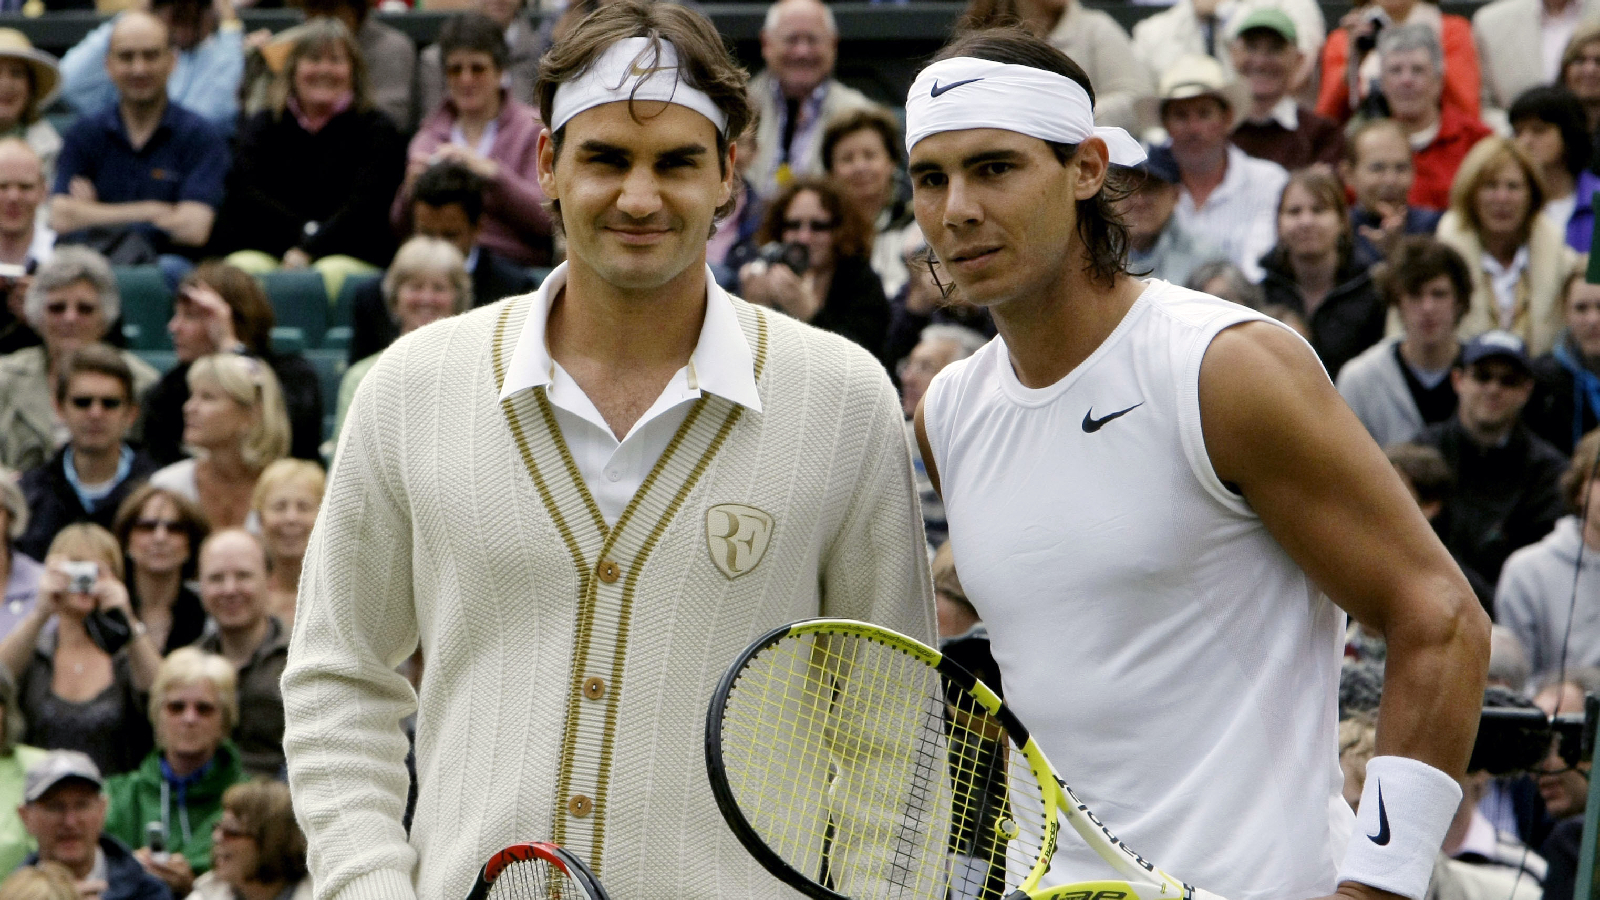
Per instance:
(613,470)
(1241,215)
(1285,112)
(1503,279)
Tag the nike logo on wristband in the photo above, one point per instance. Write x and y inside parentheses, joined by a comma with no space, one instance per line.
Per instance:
(938,89)
(1091,424)
(1382,837)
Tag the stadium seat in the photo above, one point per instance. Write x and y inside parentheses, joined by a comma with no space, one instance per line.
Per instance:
(286,339)
(299,301)
(160,360)
(146,307)
(339,332)
(330,365)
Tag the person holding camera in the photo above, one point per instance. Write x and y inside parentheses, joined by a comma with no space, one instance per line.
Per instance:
(1348,78)
(81,659)
(814,264)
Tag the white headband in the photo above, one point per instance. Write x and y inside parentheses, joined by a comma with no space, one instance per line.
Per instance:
(630,70)
(963,92)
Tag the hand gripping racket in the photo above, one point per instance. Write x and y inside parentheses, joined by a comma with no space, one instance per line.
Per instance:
(536,871)
(856,763)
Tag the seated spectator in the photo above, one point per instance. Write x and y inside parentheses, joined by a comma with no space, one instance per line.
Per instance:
(1564,786)
(1159,247)
(28,82)
(1507,478)
(1552,129)
(1477,859)
(1378,170)
(1566,394)
(1427,476)
(523,40)
(427,282)
(923,302)
(390,57)
(19,573)
(45,881)
(96,470)
(74,694)
(796,94)
(207,62)
(940,346)
(159,531)
(1461,80)
(1519,259)
(316,172)
(24,239)
(1224,194)
(446,203)
(16,758)
(1208,27)
(835,289)
(194,705)
(141,178)
(862,152)
(72,302)
(1314,270)
(220,308)
(733,236)
(64,810)
(1402,384)
(233,587)
(258,848)
(1508,661)
(495,136)
(1411,76)
(287,498)
(1274,126)
(1520,44)
(235,424)
(1580,70)
(1224,279)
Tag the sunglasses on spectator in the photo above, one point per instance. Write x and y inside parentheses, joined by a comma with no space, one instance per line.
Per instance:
(813,224)
(110,404)
(60,309)
(1506,379)
(149,526)
(201,708)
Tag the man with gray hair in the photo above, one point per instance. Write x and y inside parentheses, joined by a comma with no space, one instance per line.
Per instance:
(1411,78)
(939,346)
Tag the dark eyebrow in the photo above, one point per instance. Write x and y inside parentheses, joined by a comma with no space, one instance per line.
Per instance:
(976,159)
(594,146)
(685,151)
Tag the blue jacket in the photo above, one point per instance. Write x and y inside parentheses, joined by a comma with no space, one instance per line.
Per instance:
(1580,228)
(126,879)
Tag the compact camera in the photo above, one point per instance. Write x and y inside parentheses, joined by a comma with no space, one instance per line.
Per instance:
(81,576)
(796,256)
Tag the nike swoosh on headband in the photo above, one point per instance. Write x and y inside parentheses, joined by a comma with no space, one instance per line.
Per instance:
(937,89)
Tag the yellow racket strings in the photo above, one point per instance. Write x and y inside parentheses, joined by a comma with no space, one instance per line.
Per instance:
(535,879)
(850,761)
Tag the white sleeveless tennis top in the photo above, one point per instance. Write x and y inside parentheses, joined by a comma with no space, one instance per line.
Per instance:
(1174,663)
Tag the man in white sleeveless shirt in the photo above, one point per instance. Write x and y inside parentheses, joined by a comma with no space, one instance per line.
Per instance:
(1160,506)
(581,504)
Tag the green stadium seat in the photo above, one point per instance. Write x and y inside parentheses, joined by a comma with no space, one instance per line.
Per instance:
(339,332)
(160,360)
(330,365)
(288,340)
(146,307)
(299,300)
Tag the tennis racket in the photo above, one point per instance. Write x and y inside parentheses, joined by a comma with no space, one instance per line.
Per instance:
(855,763)
(536,871)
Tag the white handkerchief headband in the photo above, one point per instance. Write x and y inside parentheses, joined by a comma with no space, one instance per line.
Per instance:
(964,92)
(631,69)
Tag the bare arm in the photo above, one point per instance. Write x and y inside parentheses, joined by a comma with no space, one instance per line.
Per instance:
(69,213)
(17,647)
(927,450)
(188,222)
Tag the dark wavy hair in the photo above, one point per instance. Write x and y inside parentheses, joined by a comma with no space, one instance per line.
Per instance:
(852,236)
(477,33)
(1418,260)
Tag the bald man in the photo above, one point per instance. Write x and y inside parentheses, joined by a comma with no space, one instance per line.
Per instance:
(142,177)
(23,241)
(797,94)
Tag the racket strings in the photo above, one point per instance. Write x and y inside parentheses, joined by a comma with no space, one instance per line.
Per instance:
(535,879)
(856,768)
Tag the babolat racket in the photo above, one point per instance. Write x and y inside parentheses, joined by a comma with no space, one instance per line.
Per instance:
(536,871)
(856,763)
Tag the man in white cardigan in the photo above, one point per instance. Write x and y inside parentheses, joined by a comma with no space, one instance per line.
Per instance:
(581,504)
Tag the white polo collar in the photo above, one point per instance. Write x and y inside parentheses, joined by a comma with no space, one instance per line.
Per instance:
(721,362)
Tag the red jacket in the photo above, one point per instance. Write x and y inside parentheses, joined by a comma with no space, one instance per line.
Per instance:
(1462,80)
(1436,164)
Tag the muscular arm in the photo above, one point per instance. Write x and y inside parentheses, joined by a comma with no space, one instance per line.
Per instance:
(68,213)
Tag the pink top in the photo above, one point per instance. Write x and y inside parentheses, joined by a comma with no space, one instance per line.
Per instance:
(516,225)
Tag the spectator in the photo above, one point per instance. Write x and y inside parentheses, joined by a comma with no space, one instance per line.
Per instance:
(158,531)
(390,56)
(1314,270)
(16,758)
(1461,81)
(259,850)
(731,240)
(523,41)
(206,64)
(194,704)
(1412,74)
(28,82)
(287,498)
(317,171)
(1508,660)
(65,811)
(922,302)
(446,203)
(1564,786)
(836,289)
(72,302)
(45,881)
(1157,243)
(140,178)
(74,693)
(962,635)
(1519,259)
(1566,394)
(1507,494)
(427,282)
(1091,37)
(233,587)
(1427,476)
(89,478)
(1476,858)
(1207,27)
(863,152)
(1224,193)
(19,573)
(1580,70)
(1274,126)
(1401,385)
(1378,170)
(1552,129)
(797,95)
(1520,45)
(495,136)
(940,346)
(235,424)
(24,239)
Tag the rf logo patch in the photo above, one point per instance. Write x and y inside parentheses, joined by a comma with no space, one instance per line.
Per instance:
(737,537)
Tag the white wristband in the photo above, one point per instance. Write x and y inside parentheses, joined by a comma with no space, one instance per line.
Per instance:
(1406,808)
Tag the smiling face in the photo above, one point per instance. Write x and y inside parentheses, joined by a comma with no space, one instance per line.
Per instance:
(423,298)
(1411,83)
(1382,174)
(16,89)
(862,164)
(287,513)
(234,851)
(1502,201)
(1583,73)
(233,578)
(22,186)
(799,47)
(807,221)
(323,78)
(158,543)
(1492,393)
(1307,226)
(473,82)
(1265,62)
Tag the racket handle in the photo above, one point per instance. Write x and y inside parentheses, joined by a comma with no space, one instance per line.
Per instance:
(1113,890)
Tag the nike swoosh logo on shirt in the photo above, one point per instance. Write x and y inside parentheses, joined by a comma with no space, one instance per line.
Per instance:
(1382,837)
(937,89)
(1091,424)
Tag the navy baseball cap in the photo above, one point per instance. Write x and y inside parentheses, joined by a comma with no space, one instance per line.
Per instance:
(1159,163)
(1496,345)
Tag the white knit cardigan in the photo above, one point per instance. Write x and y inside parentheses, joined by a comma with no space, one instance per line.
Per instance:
(568,666)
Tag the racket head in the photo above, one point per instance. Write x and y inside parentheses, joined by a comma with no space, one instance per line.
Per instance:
(536,870)
(814,719)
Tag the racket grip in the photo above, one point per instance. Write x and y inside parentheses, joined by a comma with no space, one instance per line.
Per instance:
(1113,890)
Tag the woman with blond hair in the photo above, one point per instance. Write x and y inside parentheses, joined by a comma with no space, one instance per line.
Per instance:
(1580,69)
(235,425)
(1519,258)
(19,572)
(45,881)
(258,849)
(287,498)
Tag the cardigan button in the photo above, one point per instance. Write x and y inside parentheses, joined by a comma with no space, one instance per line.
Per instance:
(580,805)
(610,571)
(594,688)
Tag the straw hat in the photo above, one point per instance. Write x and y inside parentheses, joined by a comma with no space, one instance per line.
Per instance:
(46,73)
